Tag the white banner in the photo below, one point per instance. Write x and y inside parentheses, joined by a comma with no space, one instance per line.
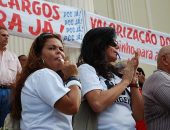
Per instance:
(130,38)
(29,18)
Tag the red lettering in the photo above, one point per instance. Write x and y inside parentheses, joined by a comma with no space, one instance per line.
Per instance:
(162,41)
(2,4)
(156,56)
(124,31)
(129,33)
(46,10)
(38,29)
(148,54)
(148,40)
(26,5)
(119,30)
(57,16)
(15,21)
(93,22)
(104,25)
(126,48)
(153,39)
(139,51)
(132,50)
(99,23)
(112,25)
(35,8)
(3,18)
(61,30)
(13,3)
(135,35)
(140,36)
(168,41)
(47,27)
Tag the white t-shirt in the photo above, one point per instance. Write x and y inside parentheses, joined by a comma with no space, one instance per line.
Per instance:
(9,67)
(118,116)
(39,94)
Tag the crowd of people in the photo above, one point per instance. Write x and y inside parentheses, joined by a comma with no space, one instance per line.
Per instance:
(46,91)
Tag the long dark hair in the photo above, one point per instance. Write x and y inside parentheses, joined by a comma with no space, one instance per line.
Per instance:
(34,63)
(3,28)
(94,45)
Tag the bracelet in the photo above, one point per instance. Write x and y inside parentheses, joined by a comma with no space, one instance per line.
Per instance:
(73,82)
(134,85)
(71,78)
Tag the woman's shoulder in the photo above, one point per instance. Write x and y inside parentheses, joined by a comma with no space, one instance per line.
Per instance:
(45,72)
(86,66)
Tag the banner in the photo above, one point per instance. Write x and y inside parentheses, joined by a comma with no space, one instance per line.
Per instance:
(29,18)
(131,38)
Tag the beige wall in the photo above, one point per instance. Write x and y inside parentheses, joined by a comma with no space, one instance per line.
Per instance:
(151,14)
(140,13)
(160,10)
(146,13)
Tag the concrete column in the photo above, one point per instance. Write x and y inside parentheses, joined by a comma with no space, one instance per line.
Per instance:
(124,10)
(83,4)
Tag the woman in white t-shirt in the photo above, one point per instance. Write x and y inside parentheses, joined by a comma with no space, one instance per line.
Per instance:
(117,105)
(47,93)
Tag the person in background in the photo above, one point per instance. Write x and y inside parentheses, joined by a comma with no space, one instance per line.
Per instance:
(156,93)
(106,93)
(140,125)
(47,92)
(141,77)
(119,68)
(9,68)
(22,59)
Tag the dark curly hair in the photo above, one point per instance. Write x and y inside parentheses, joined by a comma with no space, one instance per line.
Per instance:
(94,45)
(34,63)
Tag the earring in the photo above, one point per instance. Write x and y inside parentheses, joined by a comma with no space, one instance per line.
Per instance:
(43,61)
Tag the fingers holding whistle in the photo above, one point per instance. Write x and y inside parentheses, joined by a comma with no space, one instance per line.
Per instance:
(69,69)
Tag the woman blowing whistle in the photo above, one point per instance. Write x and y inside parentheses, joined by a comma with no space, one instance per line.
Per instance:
(47,93)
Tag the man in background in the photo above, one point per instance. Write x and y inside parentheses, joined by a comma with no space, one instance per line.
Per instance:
(141,77)
(22,59)
(9,68)
(156,93)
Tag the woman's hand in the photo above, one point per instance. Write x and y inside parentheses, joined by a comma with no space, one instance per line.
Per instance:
(130,69)
(135,60)
(69,69)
